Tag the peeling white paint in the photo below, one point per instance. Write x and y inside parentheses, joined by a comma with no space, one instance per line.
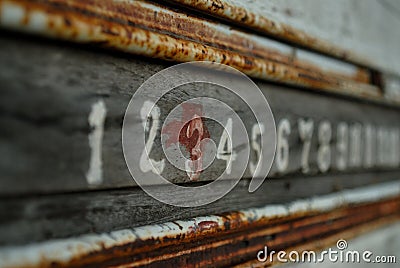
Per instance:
(299,206)
(11,14)
(96,120)
(64,250)
(392,86)
(326,63)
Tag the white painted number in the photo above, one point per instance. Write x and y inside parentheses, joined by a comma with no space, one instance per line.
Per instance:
(306,128)
(324,150)
(370,138)
(282,147)
(226,141)
(146,163)
(258,130)
(96,120)
(355,145)
(342,145)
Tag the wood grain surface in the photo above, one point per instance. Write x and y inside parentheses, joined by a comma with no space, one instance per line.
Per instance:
(49,89)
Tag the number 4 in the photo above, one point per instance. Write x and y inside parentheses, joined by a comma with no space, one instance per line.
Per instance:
(226,141)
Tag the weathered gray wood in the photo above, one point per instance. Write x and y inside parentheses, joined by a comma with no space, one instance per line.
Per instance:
(25,219)
(48,90)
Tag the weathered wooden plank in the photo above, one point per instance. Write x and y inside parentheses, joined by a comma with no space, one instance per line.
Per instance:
(50,89)
(40,217)
(62,108)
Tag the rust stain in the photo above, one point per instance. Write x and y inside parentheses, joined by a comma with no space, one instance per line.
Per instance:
(268,26)
(197,29)
(225,248)
(206,226)
(189,132)
(114,25)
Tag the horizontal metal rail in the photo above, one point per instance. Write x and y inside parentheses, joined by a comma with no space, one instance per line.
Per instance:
(230,11)
(146,29)
(239,235)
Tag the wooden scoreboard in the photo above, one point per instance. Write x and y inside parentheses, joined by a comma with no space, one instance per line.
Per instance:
(69,69)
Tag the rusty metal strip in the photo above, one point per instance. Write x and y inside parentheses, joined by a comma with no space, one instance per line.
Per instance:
(159,18)
(227,10)
(54,18)
(170,243)
(245,244)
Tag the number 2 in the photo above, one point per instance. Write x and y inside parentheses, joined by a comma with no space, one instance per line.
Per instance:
(147,164)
